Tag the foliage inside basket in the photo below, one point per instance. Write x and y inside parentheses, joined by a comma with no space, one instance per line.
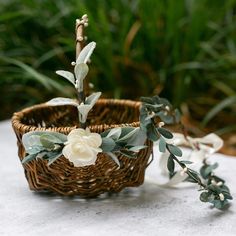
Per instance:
(81,146)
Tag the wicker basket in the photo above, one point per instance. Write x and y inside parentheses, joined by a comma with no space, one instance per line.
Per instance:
(61,176)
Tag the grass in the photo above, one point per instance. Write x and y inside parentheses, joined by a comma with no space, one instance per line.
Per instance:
(183,50)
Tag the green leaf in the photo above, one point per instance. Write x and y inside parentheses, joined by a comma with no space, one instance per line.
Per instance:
(114,158)
(152,132)
(174,150)
(129,135)
(108,144)
(114,133)
(204,196)
(46,141)
(128,154)
(29,157)
(171,164)
(53,157)
(165,133)
(67,75)
(206,170)
(136,148)
(186,162)
(193,175)
(162,145)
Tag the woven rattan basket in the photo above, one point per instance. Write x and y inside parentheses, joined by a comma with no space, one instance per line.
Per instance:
(61,176)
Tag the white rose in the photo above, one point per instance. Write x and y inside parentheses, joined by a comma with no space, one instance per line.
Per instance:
(82,147)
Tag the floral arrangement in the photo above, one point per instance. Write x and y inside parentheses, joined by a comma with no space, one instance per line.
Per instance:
(81,146)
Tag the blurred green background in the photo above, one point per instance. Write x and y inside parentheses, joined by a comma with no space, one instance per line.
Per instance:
(184,50)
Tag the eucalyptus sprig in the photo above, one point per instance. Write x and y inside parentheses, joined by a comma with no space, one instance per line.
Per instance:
(213,188)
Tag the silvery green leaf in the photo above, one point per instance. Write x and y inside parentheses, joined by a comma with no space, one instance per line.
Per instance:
(32,139)
(165,133)
(108,144)
(84,110)
(114,133)
(81,70)
(54,158)
(86,53)
(92,99)
(162,145)
(114,158)
(128,153)
(138,139)
(137,148)
(28,158)
(130,134)
(67,75)
(34,149)
(170,164)
(46,141)
(174,150)
(61,102)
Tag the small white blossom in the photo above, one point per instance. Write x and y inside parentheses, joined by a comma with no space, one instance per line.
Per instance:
(184,171)
(222,197)
(82,147)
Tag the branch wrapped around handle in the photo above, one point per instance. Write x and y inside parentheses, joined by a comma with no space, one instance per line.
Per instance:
(79,32)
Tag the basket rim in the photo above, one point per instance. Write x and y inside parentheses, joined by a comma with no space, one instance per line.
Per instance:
(24,128)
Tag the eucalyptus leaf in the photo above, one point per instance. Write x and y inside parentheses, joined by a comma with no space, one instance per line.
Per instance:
(129,135)
(137,148)
(86,53)
(62,101)
(67,75)
(204,196)
(114,133)
(186,162)
(114,158)
(165,133)
(152,133)
(162,145)
(46,142)
(171,164)
(108,144)
(28,158)
(53,158)
(128,153)
(174,150)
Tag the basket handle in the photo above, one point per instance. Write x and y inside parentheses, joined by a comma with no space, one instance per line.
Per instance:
(79,32)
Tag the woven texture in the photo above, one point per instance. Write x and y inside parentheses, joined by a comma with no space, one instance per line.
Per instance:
(90,181)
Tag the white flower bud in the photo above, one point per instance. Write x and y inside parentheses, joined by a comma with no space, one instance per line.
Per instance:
(73,63)
(84,17)
(219,183)
(213,182)
(222,197)
(184,171)
(160,124)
